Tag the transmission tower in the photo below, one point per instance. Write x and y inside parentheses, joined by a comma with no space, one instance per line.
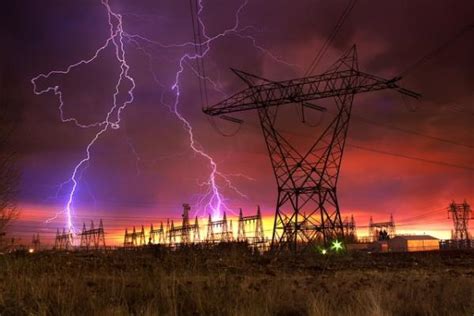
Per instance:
(252,220)
(134,239)
(350,232)
(382,230)
(461,214)
(307,209)
(219,231)
(158,233)
(64,240)
(93,237)
(36,242)
(184,231)
(127,239)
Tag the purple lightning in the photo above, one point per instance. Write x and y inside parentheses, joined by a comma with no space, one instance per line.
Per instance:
(213,199)
(113,117)
(215,204)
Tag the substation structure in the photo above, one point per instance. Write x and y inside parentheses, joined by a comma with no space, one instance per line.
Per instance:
(461,214)
(350,231)
(90,239)
(307,208)
(93,238)
(64,240)
(381,230)
(187,233)
(219,230)
(255,221)
(250,231)
(36,242)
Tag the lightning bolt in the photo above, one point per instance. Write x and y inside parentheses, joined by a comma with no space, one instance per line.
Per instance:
(113,117)
(213,199)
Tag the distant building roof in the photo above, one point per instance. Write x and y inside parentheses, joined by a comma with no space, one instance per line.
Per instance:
(416,237)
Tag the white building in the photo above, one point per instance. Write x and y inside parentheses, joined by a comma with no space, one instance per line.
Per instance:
(413,243)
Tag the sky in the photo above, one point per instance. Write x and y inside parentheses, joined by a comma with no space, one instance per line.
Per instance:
(145,170)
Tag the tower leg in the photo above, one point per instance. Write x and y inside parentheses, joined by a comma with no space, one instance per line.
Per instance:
(307,210)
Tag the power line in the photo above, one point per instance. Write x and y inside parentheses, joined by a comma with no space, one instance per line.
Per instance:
(213,123)
(197,36)
(415,218)
(436,51)
(196,50)
(441,163)
(395,128)
(331,37)
(116,226)
(435,162)
(201,55)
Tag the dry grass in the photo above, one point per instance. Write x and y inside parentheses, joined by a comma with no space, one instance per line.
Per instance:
(235,282)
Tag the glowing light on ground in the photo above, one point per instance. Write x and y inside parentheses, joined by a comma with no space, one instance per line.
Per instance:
(337,245)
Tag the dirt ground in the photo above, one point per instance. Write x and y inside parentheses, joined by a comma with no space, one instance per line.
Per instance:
(231,280)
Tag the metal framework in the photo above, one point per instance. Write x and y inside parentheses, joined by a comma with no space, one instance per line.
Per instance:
(64,240)
(219,231)
(36,242)
(184,231)
(350,231)
(157,235)
(93,237)
(134,239)
(247,222)
(381,230)
(307,209)
(461,214)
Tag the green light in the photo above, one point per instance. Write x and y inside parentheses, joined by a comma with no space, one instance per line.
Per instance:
(337,245)
(324,251)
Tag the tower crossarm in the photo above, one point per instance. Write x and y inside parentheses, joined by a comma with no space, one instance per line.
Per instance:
(326,85)
(250,218)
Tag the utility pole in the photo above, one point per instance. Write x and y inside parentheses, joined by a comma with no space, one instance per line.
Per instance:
(307,208)
(185,232)
(241,237)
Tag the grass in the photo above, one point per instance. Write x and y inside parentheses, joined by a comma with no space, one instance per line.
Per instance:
(233,281)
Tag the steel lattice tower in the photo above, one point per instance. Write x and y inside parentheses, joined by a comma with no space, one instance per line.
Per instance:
(93,237)
(461,214)
(307,209)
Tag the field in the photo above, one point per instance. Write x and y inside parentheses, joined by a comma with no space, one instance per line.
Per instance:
(233,281)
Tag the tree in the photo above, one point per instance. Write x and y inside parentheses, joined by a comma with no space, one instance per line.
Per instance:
(9,173)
